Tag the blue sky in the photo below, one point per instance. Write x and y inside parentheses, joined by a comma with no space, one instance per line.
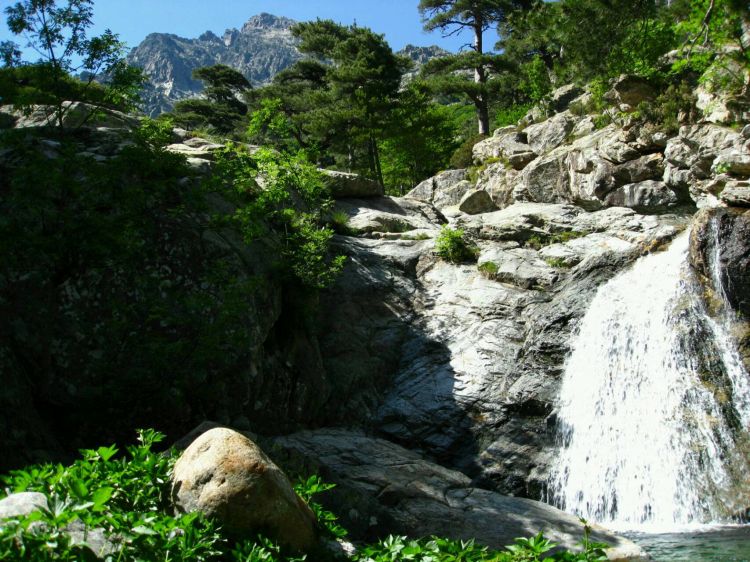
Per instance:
(399,20)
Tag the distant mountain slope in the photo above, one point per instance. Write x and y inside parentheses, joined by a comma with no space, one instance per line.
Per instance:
(260,49)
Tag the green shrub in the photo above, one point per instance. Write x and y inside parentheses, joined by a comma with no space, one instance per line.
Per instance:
(451,246)
(291,205)
(463,157)
(488,269)
(128,496)
(677,101)
(511,115)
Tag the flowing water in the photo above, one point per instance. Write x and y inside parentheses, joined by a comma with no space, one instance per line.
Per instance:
(654,409)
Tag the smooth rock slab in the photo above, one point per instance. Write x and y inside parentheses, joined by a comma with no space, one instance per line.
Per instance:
(645,196)
(383,488)
(521,267)
(343,185)
(226,476)
(736,194)
(21,504)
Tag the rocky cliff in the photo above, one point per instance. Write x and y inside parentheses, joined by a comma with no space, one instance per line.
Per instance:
(460,363)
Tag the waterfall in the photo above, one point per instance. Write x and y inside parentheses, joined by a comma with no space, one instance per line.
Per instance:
(654,409)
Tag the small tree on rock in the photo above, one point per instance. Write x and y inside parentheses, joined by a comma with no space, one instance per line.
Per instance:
(57,33)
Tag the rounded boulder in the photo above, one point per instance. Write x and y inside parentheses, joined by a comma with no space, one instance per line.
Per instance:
(226,476)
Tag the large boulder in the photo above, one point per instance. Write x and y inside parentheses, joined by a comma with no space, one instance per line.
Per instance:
(521,267)
(645,196)
(475,202)
(736,194)
(444,190)
(343,184)
(562,97)
(507,143)
(395,215)
(551,133)
(629,90)
(499,181)
(226,476)
(21,504)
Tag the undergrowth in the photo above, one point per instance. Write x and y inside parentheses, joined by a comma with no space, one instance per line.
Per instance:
(451,246)
(125,497)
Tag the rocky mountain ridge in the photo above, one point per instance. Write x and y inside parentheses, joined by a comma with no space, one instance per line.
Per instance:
(261,48)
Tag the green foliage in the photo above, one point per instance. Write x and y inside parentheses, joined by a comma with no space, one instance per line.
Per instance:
(451,246)
(463,157)
(675,102)
(126,496)
(435,549)
(531,549)
(419,140)
(341,107)
(511,115)
(488,269)
(448,73)
(535,82)
(307,488)
(221,109)
(291,204)
(58,34)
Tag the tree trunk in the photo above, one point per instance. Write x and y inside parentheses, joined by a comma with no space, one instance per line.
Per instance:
(480,77)
(376,160)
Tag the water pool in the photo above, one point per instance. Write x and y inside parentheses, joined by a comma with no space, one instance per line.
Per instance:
(719,544)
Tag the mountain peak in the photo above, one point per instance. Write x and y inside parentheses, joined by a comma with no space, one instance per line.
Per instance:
(267,21)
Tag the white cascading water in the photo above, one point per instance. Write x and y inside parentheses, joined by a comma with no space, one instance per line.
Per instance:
(645,440)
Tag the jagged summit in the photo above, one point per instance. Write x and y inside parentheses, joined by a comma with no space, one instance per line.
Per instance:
(267,21)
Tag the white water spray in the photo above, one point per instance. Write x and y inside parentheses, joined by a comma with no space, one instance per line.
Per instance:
(647,437)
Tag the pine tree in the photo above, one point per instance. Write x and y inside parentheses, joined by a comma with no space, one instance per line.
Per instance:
(452,17)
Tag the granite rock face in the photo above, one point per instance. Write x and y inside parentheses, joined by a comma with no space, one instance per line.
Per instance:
(464,365)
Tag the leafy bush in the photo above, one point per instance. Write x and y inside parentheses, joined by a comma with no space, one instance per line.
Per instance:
(291,204)
(451,246)
(511,115)
(488,269)
(127,496)
(463,157)
(673,104)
